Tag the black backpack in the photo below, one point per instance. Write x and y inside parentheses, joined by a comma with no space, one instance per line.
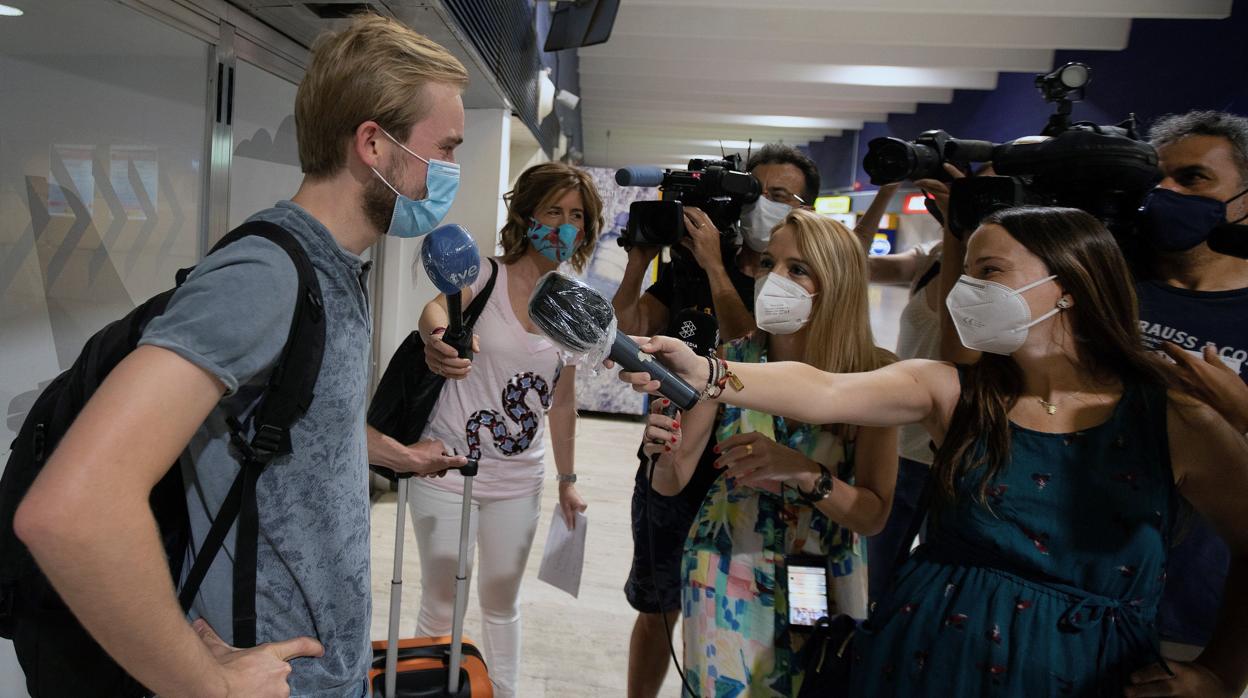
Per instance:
(57,653)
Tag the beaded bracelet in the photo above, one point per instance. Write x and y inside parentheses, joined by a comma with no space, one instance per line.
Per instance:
(713,388)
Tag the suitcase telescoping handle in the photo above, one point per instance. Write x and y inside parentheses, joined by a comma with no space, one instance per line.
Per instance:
(396,589)
(469,470)
(461,584)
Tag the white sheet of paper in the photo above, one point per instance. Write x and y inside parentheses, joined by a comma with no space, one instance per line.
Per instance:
(564,556)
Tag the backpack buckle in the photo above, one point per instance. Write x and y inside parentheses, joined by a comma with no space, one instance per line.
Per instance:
(270,441)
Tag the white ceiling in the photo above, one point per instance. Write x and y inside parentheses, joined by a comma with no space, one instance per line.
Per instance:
(679,75)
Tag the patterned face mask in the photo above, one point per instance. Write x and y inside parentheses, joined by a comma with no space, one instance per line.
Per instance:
(555,244)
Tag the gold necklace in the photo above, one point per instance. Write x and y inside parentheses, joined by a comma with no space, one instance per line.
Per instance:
(1051,407)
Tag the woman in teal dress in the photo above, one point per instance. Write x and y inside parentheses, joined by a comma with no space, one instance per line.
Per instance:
(810,306)
(1062,461)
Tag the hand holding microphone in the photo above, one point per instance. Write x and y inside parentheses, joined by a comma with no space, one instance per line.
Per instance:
(452,261)
(670,355)
(579,319)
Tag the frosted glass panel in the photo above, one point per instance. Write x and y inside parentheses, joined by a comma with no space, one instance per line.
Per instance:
(265,166)
(101,148)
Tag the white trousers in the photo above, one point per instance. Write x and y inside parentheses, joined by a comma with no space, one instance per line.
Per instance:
(504,530)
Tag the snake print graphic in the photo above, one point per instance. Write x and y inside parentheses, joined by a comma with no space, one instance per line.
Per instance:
(513,404)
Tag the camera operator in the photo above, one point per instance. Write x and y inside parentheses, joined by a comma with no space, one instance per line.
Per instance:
(712,272)
(1193,302)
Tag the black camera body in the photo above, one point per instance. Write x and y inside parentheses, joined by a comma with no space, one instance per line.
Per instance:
(1104,170)
(891,160)
(718,187)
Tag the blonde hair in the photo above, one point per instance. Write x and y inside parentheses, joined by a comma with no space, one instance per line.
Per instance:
(840,338)
(539,187)
(374,69)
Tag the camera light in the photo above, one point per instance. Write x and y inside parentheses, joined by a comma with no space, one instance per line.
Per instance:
(10,11)
(915,204)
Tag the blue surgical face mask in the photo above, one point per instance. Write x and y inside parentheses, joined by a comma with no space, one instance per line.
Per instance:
(415,218)
(555,245)
(1174,222)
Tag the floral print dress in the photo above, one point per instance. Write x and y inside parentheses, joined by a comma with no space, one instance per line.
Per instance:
(736,633)
(1051,586)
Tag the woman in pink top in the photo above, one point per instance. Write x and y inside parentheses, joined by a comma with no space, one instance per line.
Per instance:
(495,409)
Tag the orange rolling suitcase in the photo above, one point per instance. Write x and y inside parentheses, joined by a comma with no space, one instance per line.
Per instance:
(429,667)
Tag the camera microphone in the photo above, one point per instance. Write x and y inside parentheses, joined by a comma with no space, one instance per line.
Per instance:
(1229,239)
(639,176)
(578,319)
(452,261)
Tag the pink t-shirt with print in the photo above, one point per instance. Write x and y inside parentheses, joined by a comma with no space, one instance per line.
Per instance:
(499,411)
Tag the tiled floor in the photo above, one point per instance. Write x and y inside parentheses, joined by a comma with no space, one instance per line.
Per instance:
(572,647)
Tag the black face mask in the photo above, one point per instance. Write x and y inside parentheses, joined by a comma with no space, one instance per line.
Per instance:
(1174,222)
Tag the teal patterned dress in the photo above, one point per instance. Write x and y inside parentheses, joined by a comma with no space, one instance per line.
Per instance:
(1051,587)
(736,634)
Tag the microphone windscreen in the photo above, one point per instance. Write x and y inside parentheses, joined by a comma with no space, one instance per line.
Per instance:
(639,176)
(1230,239)
(451,258)
(572,314)
(699,330)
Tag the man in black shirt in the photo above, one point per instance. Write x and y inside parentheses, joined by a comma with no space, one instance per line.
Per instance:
(1193,305)
(713,272)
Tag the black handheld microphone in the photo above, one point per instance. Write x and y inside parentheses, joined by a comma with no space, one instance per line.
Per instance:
(1230,239)
(700,332)
(579,319)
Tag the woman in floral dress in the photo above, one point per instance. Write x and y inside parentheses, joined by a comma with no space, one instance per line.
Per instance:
(811,306)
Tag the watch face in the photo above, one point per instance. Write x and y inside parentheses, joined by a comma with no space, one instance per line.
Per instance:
(825,486)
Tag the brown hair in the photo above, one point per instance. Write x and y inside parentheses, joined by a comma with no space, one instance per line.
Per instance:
(375,69)
(538,187)
(1104,322)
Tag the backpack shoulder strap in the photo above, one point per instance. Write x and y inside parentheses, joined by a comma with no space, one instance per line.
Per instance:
(286,398)
(289,392)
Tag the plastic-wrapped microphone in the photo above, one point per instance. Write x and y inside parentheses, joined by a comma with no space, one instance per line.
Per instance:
(579,319)
(700,332)
(452,261)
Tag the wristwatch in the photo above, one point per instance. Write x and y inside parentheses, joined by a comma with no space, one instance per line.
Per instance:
(566,478)
(823,487)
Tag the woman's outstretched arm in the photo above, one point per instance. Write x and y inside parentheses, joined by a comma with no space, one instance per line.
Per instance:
(907,392)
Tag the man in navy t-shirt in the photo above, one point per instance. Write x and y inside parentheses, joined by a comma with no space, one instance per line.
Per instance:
(1194,306)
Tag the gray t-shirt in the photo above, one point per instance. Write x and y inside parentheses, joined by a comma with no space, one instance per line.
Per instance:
(232,318)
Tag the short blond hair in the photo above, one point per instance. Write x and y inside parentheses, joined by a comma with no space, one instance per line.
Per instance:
(538,187)
(376,69)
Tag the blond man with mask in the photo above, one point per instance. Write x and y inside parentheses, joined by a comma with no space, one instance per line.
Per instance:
(379,116)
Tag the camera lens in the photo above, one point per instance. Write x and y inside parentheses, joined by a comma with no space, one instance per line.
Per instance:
(888,160)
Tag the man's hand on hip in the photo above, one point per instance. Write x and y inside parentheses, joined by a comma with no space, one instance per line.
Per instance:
(256,672)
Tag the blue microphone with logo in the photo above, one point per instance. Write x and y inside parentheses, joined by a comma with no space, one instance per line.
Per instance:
(452,261)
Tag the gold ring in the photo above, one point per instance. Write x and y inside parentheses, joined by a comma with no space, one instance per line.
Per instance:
(749,449)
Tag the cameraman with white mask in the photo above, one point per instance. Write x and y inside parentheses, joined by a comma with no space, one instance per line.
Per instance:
(714,273)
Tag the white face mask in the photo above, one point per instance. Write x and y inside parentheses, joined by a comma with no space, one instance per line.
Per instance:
(757,220)
(994,318)
(781,306)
